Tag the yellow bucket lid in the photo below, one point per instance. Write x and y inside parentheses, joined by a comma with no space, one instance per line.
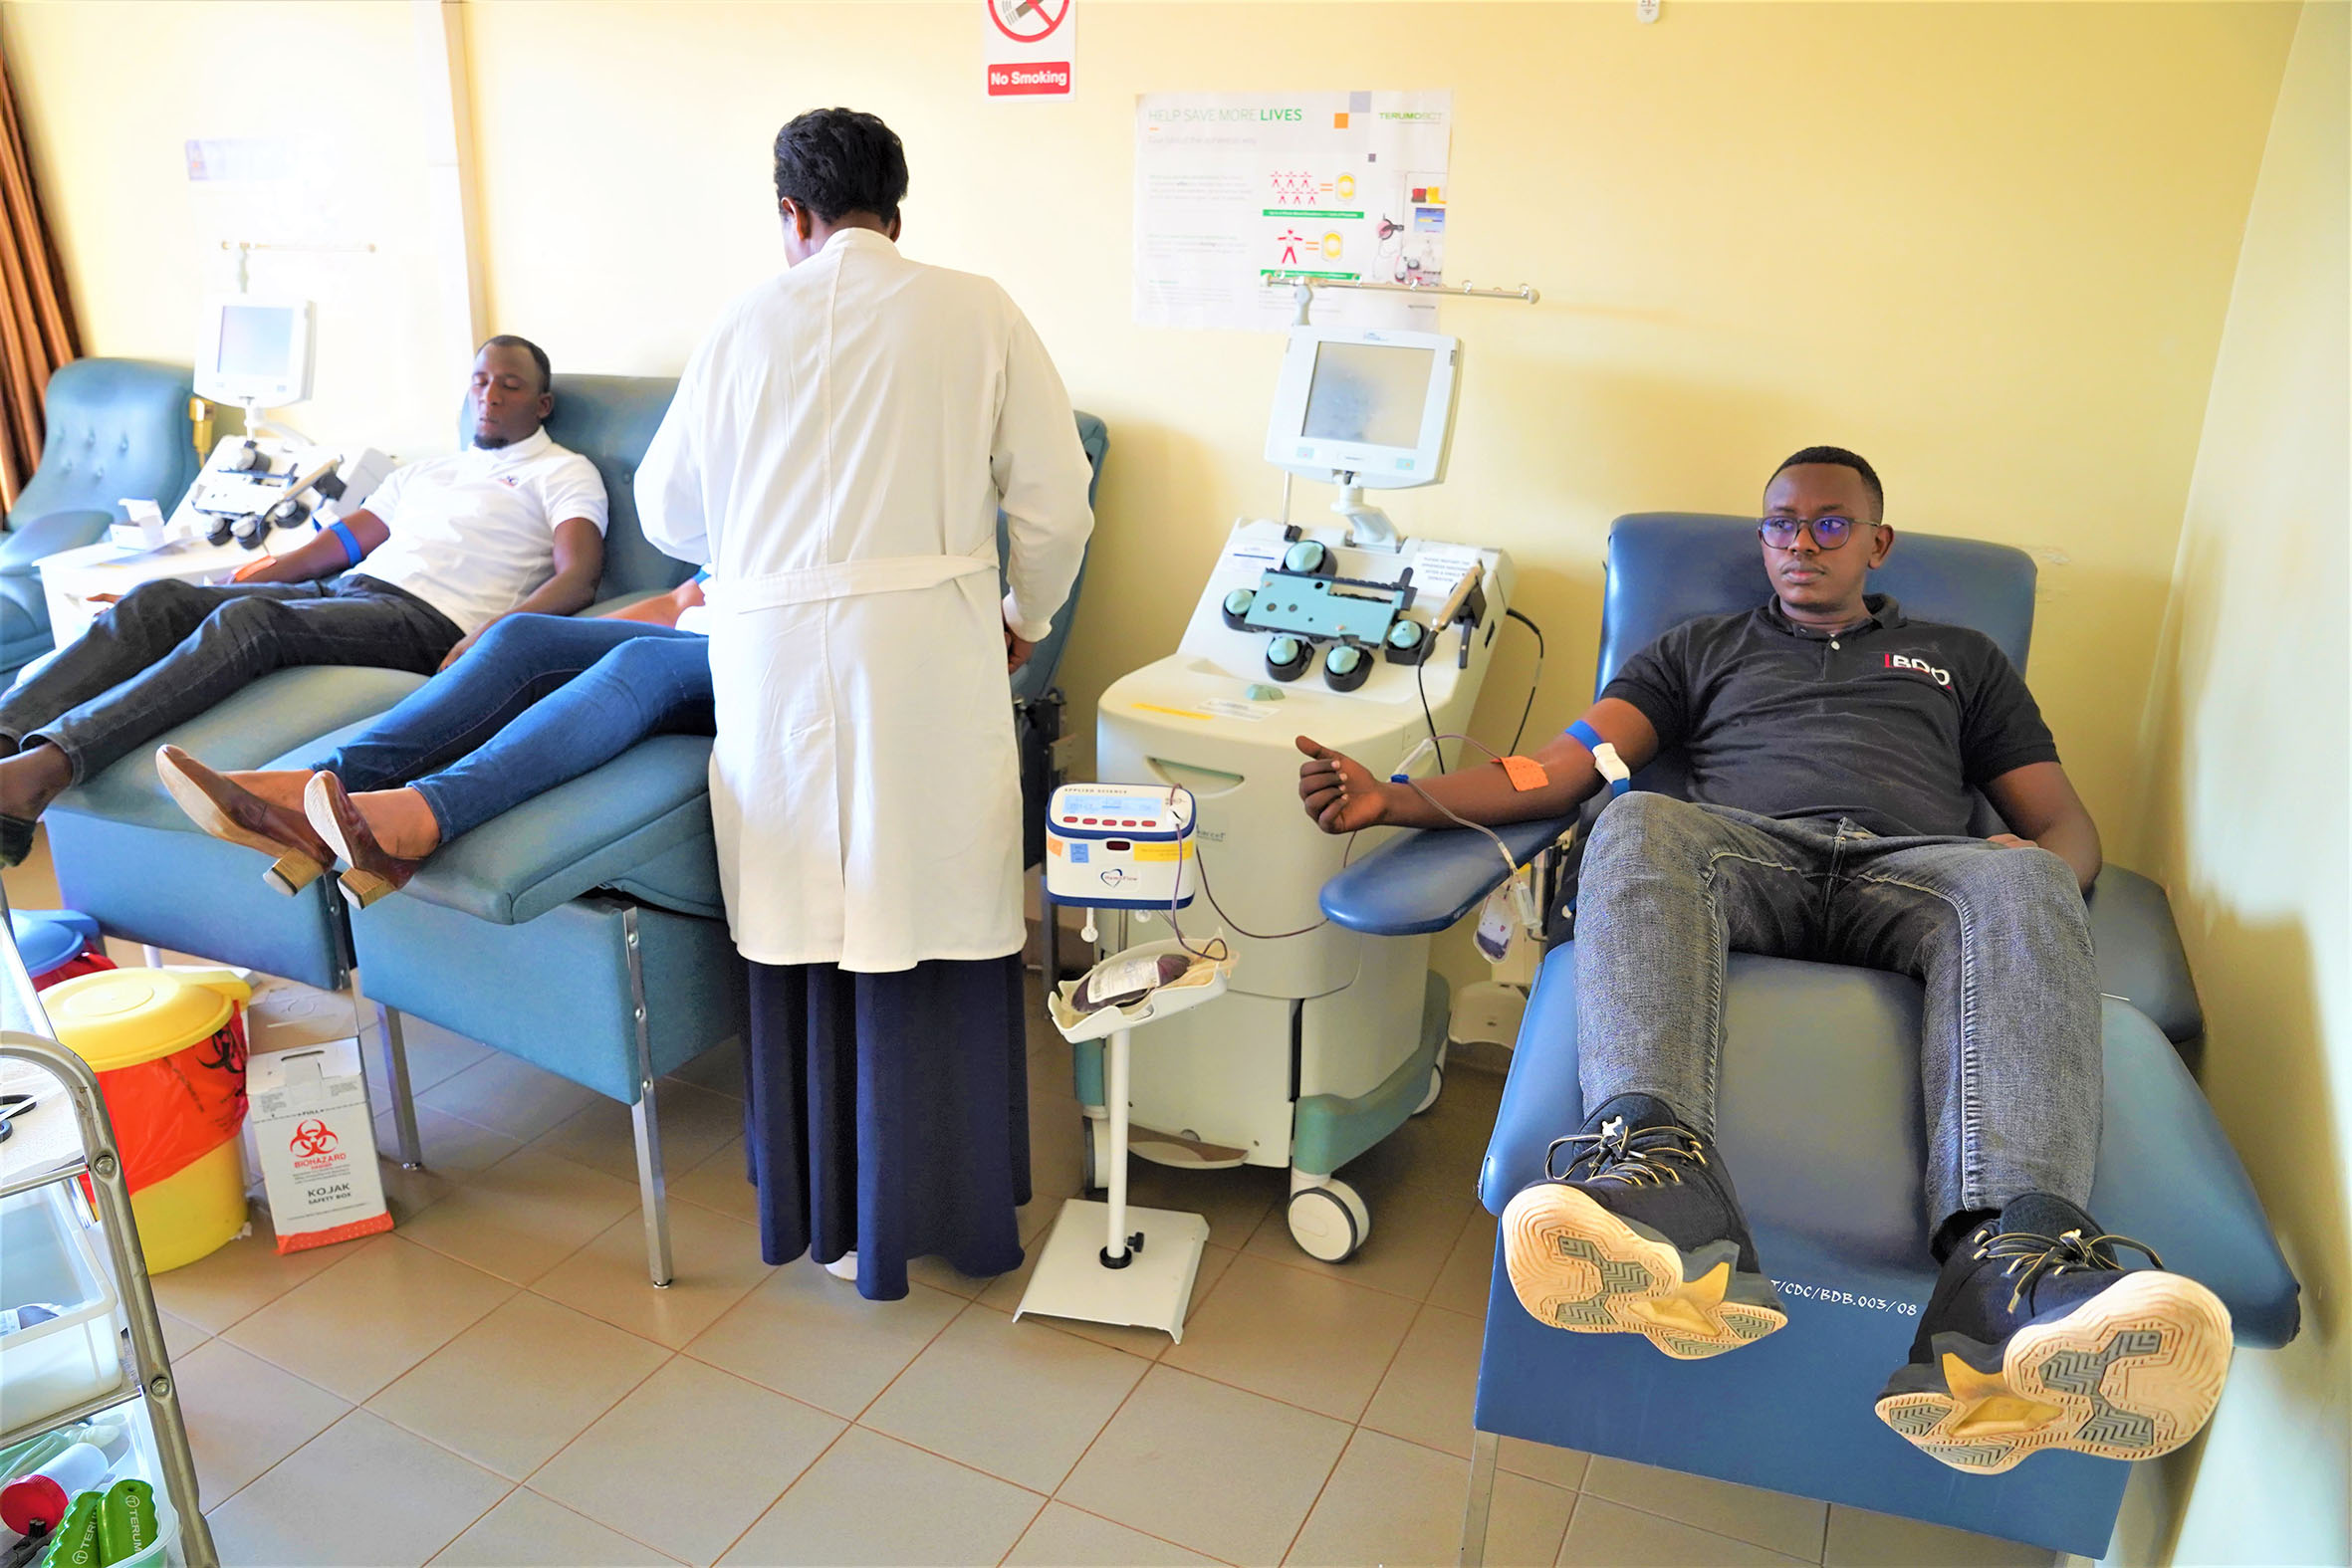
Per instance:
(122,1017)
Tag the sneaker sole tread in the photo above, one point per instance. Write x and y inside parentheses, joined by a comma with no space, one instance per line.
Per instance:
(1576,1265)
(2134,1372)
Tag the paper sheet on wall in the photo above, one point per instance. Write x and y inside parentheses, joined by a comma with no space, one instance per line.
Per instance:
(1234,190)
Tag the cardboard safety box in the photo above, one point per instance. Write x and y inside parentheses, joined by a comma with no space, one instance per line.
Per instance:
(313,1136)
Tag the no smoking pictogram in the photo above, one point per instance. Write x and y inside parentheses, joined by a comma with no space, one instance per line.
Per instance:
(1028,21)
(1029,46)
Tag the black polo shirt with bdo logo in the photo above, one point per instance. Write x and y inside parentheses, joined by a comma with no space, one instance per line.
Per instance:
(1891,722)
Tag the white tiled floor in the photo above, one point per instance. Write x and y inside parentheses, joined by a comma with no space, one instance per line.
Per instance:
(495,1383)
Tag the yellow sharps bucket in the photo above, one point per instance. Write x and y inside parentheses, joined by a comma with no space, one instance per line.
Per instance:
(170,1053)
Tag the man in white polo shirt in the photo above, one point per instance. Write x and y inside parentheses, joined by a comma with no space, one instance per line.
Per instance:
(443,549)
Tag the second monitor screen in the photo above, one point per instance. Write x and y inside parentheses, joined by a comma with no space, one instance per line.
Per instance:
(255,339)
(1372,394)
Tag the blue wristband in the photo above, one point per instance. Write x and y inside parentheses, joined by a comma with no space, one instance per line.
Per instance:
(350,542)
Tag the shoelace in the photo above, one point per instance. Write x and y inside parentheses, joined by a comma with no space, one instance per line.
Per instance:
(1623,1153)
(2054,1256)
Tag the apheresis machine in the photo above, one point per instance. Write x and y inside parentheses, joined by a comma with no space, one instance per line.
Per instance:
(1324,1041)
(255,351)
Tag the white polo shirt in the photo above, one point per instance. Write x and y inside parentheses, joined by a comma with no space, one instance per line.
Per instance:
(473,534)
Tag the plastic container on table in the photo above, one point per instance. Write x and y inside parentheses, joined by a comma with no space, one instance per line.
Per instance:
(144,1465)
(57,945)
(169,1050)
(47,1256)
(140,1461)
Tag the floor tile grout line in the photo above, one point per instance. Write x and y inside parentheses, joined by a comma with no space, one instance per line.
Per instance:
(1690,1524)
(525,1480)
(566,1446)
(1559,1552)
(263,1355)
(1080,1461)
(1097,1513)
(949,1458)
(209,1510)
(1006,1555)
(511,1488)
(802,1475)
(1055,1488)
(577,1514)
(1355,1429)
(222,1331)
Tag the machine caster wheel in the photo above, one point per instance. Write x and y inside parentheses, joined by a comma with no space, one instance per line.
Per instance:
(1093,1155)
(1329,1222)
(1437,1086)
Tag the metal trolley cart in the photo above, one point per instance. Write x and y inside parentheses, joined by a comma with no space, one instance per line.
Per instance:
(146,1370)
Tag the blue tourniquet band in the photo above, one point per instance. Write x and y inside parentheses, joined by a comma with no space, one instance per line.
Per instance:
(1611,767)
(351,540)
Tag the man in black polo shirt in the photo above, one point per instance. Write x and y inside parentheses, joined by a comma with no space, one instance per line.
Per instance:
(1833,747)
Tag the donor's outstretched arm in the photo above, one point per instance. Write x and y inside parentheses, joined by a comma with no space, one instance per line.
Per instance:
(1343,796)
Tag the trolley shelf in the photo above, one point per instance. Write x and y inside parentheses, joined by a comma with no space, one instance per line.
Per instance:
(25,1037)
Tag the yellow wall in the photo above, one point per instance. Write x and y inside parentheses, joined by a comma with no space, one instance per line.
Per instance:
(111,91)
(1989,246)
(2249,758)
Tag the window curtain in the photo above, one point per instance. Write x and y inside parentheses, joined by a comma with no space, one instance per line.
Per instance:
(37,326)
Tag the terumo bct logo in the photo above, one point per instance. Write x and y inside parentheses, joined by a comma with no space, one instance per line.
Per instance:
(311,1139)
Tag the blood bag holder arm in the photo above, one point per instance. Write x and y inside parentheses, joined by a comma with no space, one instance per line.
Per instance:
(1178,996)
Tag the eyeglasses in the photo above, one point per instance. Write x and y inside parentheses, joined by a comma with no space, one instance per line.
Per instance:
(1829,533)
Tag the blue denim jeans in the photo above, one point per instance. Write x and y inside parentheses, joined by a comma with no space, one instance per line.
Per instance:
(539,700)
(171,650)
(2011,1062)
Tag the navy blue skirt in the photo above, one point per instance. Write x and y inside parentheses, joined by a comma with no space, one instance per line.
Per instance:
(888,1115)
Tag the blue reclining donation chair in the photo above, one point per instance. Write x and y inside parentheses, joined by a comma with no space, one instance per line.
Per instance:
(118,429)
(130,858)
(1821,1117)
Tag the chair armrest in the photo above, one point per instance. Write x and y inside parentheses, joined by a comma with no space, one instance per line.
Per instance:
(24,546)
(1424,882)
(2139,956)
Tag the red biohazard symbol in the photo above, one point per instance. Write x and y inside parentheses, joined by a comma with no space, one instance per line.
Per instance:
(1028,21)
(313,1138)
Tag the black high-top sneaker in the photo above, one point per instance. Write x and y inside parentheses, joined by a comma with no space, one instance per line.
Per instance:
(2037,1337)
(1640,1234)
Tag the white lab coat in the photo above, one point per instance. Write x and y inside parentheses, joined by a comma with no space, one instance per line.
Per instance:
(838,451)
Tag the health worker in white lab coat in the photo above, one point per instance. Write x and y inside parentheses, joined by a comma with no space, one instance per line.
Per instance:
(838,451)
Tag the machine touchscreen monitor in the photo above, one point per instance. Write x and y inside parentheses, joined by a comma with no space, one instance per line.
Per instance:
(1377,405)
(254,349)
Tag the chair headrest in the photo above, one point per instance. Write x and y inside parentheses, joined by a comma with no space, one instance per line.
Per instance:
(1666,567)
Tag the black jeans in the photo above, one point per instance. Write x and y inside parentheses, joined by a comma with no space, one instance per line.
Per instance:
(170,650)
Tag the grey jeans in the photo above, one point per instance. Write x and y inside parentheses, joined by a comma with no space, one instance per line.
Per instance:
(169,650)
(2009,1051)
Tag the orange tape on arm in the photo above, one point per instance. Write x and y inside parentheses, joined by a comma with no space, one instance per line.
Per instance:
(1524,774)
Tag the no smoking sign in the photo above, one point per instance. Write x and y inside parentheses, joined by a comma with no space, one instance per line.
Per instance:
(1030,47)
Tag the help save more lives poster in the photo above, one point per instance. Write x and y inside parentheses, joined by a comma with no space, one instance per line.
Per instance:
(1235,192)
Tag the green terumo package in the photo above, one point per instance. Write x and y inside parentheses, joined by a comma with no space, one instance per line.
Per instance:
(74,1545)
(126,1522)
